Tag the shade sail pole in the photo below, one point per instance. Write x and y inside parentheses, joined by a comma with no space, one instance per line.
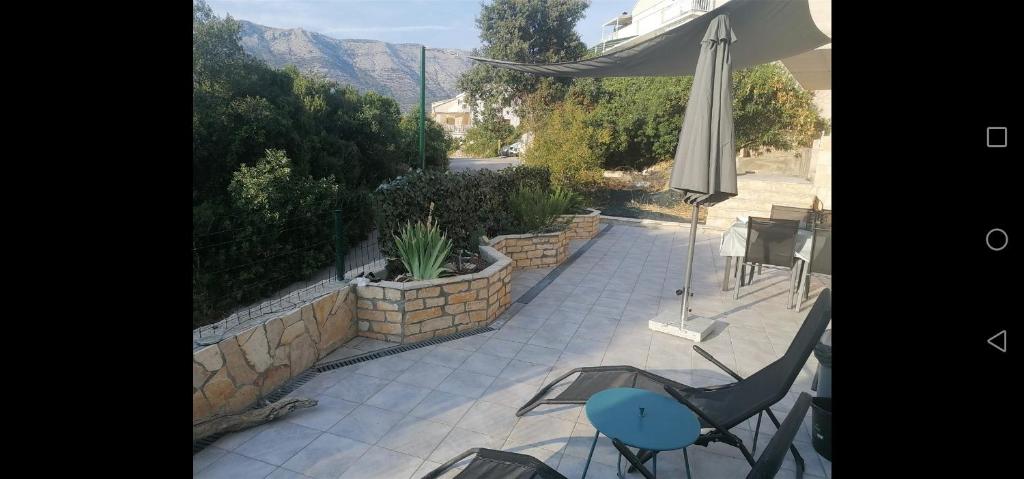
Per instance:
(689,266)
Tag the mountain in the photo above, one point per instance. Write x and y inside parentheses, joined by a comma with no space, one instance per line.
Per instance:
(367,65)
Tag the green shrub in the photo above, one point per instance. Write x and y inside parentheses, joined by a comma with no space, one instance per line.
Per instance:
(485,138)
(468,203)
(423,248)
(536,209)
(357,213)
(277,229)
(573,200)
(563,144)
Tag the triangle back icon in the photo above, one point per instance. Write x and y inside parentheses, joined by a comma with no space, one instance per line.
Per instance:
(999,341)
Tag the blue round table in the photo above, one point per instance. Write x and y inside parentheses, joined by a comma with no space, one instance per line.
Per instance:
(642,419)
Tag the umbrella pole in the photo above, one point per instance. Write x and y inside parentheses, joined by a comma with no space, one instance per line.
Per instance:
(689,266)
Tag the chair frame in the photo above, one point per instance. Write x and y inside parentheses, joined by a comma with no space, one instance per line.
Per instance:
(744,262)
(804,287)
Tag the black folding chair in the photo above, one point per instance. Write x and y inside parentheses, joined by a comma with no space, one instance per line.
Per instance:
(766,466)
(718,407)
(770,242)
(820,263)
(491,464)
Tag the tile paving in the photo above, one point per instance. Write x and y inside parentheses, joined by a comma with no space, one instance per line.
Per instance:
(401,416)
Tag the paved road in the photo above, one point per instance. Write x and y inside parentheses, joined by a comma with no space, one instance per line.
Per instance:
(464,164)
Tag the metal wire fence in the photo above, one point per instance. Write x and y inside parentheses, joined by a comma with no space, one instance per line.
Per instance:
(244,270)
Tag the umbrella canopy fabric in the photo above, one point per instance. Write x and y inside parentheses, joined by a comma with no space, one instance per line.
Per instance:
(769,29)
(705,162)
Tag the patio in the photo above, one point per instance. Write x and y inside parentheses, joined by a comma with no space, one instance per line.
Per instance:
(403,415)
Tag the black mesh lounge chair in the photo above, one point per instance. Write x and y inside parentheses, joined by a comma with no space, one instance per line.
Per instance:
(721,407)
(491,464)
(766,466)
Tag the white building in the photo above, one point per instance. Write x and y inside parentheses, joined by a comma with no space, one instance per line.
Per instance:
(456,116)
(650,15)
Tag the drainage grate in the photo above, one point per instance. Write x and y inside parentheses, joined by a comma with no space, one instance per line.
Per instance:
(380,353)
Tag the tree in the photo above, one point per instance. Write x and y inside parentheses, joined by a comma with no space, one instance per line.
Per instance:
(438,141)
(564,143)
(640,117)
(524,31)
(771,110)
(250,202)
(487,136)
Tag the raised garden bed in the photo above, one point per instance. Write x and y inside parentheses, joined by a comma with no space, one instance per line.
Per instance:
(405,312)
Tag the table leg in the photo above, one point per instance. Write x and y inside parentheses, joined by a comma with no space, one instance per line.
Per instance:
(805,270)
(725,279)
(589,456)
(655,459)
(739,281)
(686,460)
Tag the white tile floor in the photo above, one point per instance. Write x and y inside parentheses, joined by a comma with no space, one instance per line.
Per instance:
(401,416)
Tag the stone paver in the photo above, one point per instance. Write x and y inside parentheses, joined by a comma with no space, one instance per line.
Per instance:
(403,415)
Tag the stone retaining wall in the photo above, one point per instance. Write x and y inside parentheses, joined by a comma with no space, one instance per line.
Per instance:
(231,375)
(583,226)
(417,310)
(534,251)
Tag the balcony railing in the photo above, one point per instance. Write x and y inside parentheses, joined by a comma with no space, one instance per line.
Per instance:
(456,130)
(656,16)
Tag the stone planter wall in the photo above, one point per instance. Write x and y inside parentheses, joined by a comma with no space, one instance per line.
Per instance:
(231,375)
(583,226)
(418,310)
(534,251)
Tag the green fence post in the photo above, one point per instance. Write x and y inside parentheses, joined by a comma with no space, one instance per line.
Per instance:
(339,253)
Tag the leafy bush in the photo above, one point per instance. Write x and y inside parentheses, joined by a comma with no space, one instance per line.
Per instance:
(357,213)
(536,209)
(438,142)
(468,203)
(486,137)
(573,200)
(423,248)
(276,230)
(563,144)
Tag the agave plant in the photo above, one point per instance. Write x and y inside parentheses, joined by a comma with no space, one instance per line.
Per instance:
(423,248)
(537,209)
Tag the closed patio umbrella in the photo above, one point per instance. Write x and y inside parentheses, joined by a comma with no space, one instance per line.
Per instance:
(705,161)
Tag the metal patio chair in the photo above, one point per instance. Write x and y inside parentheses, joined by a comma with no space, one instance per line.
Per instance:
(719,407)
(492,464)
(820,263)
(770,243)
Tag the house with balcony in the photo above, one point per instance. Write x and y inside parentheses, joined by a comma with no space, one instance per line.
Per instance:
(453,114)
(456,115)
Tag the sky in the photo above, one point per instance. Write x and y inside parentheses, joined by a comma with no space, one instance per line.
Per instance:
(434,23)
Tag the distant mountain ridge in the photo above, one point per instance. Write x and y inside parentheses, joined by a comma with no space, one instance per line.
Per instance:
(367,65)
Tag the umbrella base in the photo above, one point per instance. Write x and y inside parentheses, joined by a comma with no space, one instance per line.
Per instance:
(696,329)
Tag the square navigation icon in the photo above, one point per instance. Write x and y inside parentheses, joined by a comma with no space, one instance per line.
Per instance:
(996,136)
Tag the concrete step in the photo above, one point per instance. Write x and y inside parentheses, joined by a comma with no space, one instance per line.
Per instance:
(764,182)
(764,203)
